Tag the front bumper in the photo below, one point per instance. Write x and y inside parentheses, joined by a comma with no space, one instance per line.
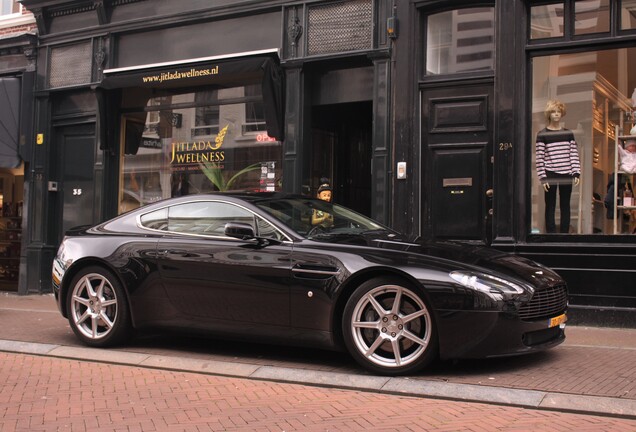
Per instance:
(481,334)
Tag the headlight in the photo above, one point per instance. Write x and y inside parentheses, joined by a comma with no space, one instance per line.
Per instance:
(486,283)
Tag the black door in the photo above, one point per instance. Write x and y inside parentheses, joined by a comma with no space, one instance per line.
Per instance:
(457,169)
(342,152)
(75,177)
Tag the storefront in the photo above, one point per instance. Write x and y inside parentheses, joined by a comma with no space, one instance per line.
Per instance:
(423,114)
(16,82)
(485,75)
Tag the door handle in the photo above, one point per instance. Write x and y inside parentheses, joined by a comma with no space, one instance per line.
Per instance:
(490,193)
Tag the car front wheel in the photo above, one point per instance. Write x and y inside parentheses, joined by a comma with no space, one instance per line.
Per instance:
(97,308)
(388,328)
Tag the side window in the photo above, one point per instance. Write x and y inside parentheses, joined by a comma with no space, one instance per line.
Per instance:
(207,217)
(156,220)
(265,229)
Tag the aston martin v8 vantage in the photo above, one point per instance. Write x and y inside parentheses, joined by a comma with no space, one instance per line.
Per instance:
(295,270)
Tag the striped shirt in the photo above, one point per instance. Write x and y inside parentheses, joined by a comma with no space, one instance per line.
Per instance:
(557,152)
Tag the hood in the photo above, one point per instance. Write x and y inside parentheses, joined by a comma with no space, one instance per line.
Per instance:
(504,263)
(473,256)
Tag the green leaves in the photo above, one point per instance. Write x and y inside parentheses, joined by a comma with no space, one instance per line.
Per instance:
(219,179)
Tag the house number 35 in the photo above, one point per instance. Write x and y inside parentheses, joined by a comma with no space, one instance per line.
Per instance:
(77,191)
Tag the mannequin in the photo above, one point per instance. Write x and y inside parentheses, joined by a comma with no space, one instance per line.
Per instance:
(324,193)
(558,165)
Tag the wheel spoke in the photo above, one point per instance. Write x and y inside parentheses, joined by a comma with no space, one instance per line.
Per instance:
(374,346)
(81,319)
(81,300)
(89,286)
(414,315)
(395,310)
(95,326)
(376,305)
(395,344)
(410,336)
(366,324)
(106,320)
(106,303)
(99,292)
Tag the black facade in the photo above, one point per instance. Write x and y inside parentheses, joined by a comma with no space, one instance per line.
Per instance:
(442,155)
(17,74)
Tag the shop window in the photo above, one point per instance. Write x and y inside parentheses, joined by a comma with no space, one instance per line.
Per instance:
(598,90)
(546,21)
(460,40)
(591,16)
(195,142)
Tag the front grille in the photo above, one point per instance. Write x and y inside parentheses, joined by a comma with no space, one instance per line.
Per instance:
(545,304)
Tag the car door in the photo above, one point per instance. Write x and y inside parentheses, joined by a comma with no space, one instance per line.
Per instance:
(217,279)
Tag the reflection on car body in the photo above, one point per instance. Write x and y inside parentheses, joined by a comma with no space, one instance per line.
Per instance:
(255,267)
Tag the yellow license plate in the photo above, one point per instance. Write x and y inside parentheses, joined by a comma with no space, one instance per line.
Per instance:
(558,320)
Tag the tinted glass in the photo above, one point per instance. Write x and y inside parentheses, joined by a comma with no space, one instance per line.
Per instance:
(628,14)
(156,220)
(206,217)
(460,40)
(546,21)
(591,16)
(315,218)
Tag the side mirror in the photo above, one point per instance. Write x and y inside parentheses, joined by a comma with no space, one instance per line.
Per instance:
(239,230)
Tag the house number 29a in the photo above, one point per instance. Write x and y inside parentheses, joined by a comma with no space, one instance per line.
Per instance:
(77,191)
(505,146)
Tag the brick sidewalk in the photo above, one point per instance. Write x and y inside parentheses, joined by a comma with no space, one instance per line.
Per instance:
(594,370)
(44,394)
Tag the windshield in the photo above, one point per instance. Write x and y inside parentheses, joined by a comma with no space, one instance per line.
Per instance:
(314,218)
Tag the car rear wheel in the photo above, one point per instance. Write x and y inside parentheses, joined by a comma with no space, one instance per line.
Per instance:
(97,308)
(388,327)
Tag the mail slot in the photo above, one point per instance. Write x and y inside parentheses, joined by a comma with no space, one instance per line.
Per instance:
(459,181)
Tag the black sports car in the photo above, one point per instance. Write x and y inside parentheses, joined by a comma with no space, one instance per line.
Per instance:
(297,270)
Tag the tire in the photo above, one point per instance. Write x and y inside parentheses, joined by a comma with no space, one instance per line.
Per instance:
(97,308)
(376,327)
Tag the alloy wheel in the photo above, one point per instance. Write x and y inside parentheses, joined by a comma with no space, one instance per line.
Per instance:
(391,326)
(94,306)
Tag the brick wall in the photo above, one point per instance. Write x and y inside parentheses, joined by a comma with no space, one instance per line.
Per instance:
(19,28)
